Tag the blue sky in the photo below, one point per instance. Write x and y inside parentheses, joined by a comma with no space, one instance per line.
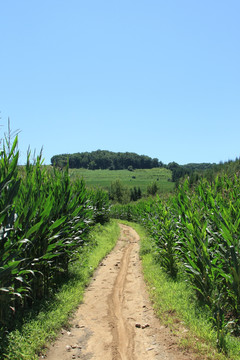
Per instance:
(156,77)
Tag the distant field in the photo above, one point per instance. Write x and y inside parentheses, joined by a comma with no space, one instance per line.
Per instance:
(139,178)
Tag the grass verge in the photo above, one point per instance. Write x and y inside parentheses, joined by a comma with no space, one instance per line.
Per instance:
(175,305)
(29,341)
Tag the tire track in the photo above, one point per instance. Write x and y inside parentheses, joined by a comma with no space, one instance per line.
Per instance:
(122,332)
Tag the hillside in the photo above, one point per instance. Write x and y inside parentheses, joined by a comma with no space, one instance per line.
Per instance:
(138,178)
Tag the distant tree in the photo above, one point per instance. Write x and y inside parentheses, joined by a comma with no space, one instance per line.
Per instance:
(92,165)
(152,189)
(139,193)
(118,193)
(135,194)
(178,171)
(173,165)
(132,195)
(155,163)
(59,160)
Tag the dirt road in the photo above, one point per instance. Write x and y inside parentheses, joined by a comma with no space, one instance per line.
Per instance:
(116,320)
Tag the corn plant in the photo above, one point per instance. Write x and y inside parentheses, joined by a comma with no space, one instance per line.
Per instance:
(196,232)
(45,220)
(11,259)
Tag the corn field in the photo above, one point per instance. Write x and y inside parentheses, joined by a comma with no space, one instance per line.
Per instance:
(196,235)
(44,220)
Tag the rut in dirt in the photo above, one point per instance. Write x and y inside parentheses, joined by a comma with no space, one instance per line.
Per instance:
(122,331)
(116,320)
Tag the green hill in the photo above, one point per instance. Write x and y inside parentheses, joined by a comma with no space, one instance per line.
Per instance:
(138,178)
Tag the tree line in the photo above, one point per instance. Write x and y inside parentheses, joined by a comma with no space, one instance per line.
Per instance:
(104,159)
(180,171)
(208,171)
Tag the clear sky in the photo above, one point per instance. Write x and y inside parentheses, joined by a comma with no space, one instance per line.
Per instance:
(155,77)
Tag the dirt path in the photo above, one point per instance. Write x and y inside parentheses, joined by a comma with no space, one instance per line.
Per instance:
(116,320)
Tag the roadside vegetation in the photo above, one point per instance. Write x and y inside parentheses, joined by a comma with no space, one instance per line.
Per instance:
(195,238)
(177,307)
(45,223)
(39,327)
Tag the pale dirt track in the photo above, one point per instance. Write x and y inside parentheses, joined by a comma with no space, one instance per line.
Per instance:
(116,320)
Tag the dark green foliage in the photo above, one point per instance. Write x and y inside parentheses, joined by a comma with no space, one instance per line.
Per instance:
(118,192)
(103,159)
(196,235)
(45,220)
(178,171)
(203,170)
(152,189)
(135,194)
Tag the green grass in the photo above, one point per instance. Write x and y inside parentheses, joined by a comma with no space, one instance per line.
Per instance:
(176,306)
(137,178)
(30,340)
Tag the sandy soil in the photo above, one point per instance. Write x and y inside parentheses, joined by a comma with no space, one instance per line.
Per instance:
(116,320)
